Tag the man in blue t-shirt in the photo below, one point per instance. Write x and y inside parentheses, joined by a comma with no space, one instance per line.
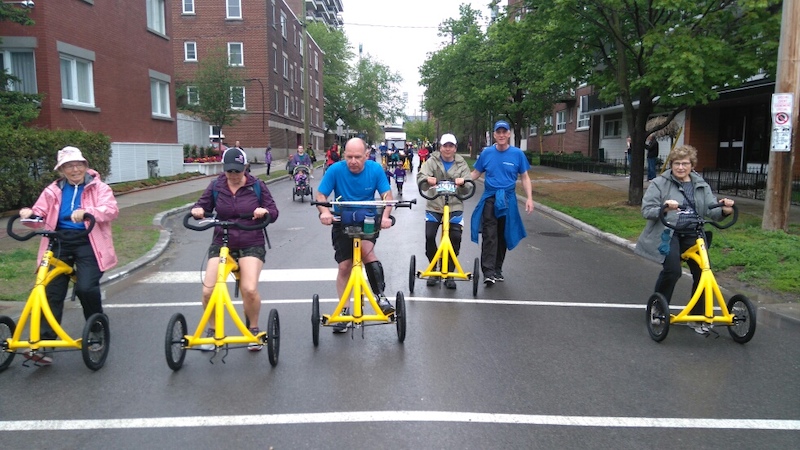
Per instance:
(356,180)
(496,215)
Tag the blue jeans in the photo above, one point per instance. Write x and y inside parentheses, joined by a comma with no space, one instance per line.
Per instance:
(651,168)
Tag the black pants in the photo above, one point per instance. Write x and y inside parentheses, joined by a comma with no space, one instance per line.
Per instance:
(493,248)
(671,271)
(432,229)
(80,255)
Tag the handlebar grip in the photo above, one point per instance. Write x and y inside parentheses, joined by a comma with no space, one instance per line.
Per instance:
(58,234)
(225,223)
(10,229)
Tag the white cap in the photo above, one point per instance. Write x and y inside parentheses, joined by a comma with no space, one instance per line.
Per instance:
(448,139)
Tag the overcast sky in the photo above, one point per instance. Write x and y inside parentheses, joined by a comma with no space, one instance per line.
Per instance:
(400,33)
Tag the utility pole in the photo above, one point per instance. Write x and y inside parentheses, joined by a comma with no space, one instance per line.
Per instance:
(306,96)
(779,181)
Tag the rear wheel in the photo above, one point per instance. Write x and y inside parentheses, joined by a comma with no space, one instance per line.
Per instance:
(7,328)
(400,316)
(273,337)
(476,277)
(657,317)
(174,343)
(412,274)
(744,318)
(95,342)
(315,320)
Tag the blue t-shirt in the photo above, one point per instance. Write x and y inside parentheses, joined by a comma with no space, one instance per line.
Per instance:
(502,168)
(352,187)
(70,201)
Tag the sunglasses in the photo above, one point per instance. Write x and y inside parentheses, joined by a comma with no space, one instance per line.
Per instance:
(233,171)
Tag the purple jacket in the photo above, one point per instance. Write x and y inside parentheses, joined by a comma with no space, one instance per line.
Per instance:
(229,206)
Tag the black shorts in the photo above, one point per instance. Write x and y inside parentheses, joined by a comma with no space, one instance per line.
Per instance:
(342,243)
(257,251)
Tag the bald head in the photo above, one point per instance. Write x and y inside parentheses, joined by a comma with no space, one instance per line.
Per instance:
(355,154)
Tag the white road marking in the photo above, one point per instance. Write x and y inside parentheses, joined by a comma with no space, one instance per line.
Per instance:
(399,416)
(270,275)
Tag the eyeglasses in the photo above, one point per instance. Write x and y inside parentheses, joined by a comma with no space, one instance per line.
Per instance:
(70,166)
(233,171)
(682,163)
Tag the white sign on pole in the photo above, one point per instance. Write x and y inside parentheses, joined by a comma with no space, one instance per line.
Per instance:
(782,122)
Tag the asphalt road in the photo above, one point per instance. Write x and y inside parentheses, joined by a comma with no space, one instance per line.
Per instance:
(558,356)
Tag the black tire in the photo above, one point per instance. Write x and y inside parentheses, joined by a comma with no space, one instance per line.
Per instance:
(412,274)
(96,341)
(174,343)
(7,328)
(476,277)
(302,197)
(294,194)
(315,318)
(273,337)
(657,317)
(400,316)
(744,321)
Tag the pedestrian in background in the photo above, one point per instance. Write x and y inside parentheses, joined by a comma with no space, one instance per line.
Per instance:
(268,158)
(651,147)
(496,215)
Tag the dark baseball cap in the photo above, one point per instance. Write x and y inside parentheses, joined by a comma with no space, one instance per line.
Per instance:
(234,159)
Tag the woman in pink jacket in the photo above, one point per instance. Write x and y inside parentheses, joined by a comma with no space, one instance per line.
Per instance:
(63,204)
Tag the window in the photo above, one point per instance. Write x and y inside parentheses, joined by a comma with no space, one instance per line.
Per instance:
(302,110)
(561,121)
(548,125)
(159,94)
(612,125)
(188,6)
(285,66)
(21,65)
(275,59)
(234,9)
(302,78)
(192,95)
(316,89)
(237,97)
(294,27)
(316,61)
(190,51)
(283,25)
(286,104)
(534,130)
(583,112)
(235,54)
(77,83)
(273,13)
(275,102)
(155,16)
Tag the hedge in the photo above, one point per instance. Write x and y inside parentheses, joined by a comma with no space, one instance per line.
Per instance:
(30,154)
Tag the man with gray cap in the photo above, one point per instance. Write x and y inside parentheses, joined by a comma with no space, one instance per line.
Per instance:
(496,215)
(443,165)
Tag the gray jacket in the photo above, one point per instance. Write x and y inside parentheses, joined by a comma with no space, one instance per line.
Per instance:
(433,167)
(663,188)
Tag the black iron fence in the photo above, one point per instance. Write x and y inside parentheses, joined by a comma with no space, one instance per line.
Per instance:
(743,184)
(580,163)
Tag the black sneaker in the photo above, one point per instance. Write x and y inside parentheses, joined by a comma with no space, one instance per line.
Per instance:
(499,277)
(450,283)
(489,281)
(433,281)
(341,327)
(384,304)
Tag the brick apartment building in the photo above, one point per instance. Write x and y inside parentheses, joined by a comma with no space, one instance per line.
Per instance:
(102,67)
(263,38)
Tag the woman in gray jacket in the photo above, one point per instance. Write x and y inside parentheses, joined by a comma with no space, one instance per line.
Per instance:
(686,195)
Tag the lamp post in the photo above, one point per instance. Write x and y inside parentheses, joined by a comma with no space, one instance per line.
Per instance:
(262,101)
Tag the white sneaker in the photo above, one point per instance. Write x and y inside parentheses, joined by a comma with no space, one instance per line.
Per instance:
(208,347)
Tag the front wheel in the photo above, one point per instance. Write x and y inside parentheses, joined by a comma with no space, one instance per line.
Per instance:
(476,277)
(315,320)
(657,317)
(95,342)
(744,318)
(273,337)
(400,316)
(412,274)
(7,328)
(174,343)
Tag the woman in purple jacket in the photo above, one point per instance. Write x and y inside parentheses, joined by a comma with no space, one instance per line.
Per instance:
(231,194)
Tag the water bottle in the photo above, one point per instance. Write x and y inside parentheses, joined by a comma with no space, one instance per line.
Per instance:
(369,224)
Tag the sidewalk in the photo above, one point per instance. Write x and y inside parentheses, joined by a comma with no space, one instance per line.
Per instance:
(771,312)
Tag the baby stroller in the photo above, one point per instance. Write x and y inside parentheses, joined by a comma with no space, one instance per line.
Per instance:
(302,187)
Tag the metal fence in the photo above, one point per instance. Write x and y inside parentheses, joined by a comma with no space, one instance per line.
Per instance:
(742,184)
(577,163)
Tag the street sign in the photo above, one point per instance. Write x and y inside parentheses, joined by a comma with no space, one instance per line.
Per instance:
(782,122)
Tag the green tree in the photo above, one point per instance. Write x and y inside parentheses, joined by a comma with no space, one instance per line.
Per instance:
(420,131)
(337,54)
(16,108)
(654,56)
(217,85)
(372,98)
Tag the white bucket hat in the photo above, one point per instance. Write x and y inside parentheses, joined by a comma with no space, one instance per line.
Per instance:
(69,154)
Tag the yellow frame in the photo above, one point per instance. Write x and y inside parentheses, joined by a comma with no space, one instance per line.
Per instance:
(218,303)
(445,253)
(359,287)
(707,287)
(37,304)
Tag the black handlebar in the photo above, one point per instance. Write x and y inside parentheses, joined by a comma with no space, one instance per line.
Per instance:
(445,187)
(60,234)
(225,223)
(701,221)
